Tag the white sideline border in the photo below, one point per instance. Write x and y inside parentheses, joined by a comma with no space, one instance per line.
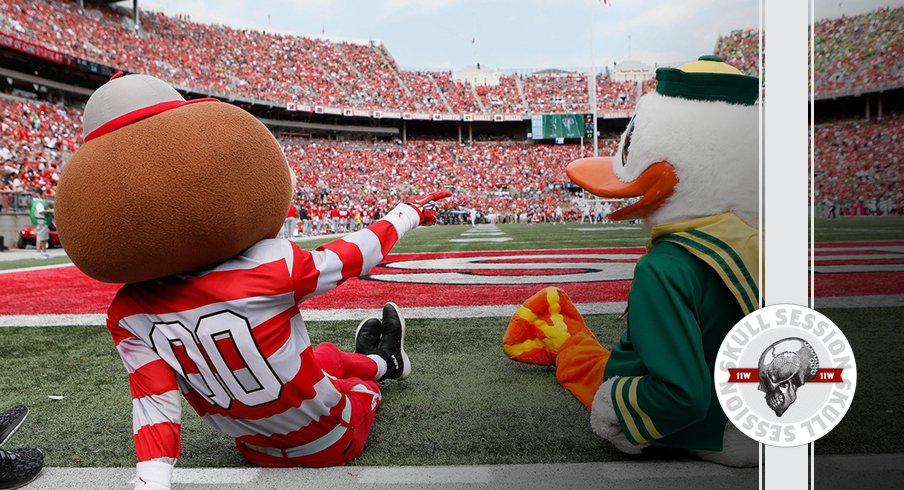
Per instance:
(873,471)
(495,476)
(439,312)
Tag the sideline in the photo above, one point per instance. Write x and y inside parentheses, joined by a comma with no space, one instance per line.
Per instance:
(356,314)
(843,471)
(438,312)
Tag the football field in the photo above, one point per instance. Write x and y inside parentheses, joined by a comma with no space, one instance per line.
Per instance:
(465,403)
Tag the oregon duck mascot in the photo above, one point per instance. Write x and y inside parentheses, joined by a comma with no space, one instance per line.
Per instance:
(690,155)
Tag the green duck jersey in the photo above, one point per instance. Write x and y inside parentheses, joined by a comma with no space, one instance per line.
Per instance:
(679,312)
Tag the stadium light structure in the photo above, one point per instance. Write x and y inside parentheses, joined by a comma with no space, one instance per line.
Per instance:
(135,12)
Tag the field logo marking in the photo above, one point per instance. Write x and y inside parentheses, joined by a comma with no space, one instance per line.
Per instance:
(482,233)
(527,268)
(785,375)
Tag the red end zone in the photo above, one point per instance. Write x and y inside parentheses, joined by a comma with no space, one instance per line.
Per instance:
(595,275)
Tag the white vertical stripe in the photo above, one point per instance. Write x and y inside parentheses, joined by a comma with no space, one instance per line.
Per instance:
(156,409)
(785,182)
(760,207)
(288,252)
(329,265)
(369,245)
(404,218)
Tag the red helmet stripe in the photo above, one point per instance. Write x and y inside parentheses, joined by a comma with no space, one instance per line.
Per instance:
(139,114)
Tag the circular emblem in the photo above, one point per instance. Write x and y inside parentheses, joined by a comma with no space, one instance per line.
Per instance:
(522,268)
(785,375)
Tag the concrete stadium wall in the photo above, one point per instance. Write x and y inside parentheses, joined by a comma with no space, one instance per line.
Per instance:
(10,224)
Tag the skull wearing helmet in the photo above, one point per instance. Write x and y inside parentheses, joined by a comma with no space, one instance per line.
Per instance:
(784,367)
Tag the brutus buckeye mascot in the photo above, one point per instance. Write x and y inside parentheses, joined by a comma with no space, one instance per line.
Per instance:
(181,200)
(690,155)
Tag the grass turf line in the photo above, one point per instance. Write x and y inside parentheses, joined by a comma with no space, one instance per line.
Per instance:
(464,404)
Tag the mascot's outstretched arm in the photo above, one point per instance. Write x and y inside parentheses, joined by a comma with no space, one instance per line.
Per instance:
(356,254)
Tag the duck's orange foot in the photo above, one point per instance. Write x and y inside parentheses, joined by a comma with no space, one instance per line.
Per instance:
(539,328)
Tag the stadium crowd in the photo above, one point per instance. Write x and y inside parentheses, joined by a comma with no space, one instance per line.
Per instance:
(861,52)
(858,163)
(859,167)
(221,60)
(36,138)
(504,180)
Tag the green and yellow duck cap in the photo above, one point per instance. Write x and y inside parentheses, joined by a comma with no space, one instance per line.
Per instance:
(708,78)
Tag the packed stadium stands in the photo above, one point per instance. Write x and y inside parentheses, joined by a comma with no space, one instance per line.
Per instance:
(859,166)
(858,163)
(504,178)
(505,97)
(862,53)
(35,139)
(220,60)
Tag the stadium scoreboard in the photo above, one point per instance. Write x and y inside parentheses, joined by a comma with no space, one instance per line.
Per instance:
(561,126)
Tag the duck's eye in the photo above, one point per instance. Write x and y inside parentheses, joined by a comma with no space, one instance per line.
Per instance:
(624,153)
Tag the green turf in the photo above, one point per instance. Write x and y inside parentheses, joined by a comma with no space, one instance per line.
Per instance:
(464,404)
(538,236)
(860,228)
(874,422)
(573,235)
(22,263)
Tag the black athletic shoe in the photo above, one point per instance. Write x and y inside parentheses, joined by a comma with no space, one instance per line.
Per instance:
(19,467)
(10,421)
(367,336)
(392,344)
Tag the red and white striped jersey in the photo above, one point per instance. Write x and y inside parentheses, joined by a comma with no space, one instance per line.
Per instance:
(233,341)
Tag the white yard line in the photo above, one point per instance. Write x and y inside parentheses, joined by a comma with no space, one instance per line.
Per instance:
(491,311)
(37,268)
(488,239)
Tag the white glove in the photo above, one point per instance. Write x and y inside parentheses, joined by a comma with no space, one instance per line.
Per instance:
(605,422)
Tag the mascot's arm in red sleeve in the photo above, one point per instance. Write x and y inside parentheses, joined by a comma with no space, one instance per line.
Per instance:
(356,254)
(156,409)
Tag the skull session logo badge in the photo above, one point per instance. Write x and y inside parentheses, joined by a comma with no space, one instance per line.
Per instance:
(785,375)
(782,373)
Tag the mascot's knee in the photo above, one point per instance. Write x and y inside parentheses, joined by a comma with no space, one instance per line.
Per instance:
(696,403)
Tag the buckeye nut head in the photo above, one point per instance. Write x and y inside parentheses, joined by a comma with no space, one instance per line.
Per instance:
(180,191)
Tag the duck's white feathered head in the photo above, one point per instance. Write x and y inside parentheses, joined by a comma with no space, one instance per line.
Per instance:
(689,151)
